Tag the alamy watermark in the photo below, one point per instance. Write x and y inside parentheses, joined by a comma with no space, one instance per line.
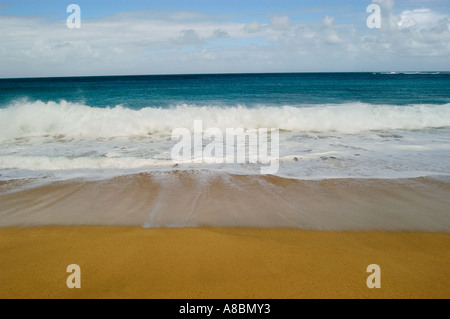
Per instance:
(234,145)
(74,279)
(73,21)
(374,279)
(374,20)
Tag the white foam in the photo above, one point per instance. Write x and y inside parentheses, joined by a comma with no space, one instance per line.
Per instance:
(63,139)
(66,163)
(64,119)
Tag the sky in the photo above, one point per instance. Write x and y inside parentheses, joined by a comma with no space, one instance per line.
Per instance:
(118,37)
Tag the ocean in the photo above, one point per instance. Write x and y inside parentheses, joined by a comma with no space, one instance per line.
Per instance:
(331,125)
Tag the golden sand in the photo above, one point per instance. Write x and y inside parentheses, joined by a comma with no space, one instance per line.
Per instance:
(133,262)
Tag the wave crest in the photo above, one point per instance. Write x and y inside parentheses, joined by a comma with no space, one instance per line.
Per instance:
(31,119)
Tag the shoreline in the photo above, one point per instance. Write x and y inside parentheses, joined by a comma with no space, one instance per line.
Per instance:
(221,263)
(205,198)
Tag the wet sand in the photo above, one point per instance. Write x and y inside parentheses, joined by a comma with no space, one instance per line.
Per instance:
(200,198)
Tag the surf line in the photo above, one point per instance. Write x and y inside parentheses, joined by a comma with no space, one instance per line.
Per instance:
(236,145)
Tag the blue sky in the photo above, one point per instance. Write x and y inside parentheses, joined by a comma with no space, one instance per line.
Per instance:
(101,8)
(211,36)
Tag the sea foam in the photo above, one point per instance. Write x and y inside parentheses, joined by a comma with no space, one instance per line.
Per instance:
(64,119)
(63,140)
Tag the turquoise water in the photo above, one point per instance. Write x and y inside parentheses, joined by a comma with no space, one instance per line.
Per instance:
(250,90)
(331,124)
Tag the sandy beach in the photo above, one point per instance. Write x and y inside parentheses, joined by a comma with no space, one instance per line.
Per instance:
(309,239)
(132,262)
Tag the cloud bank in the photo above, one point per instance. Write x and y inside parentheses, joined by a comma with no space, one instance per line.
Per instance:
(192,42)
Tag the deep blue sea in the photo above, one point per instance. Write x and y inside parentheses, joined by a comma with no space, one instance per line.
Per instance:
(375,125)
(228,90)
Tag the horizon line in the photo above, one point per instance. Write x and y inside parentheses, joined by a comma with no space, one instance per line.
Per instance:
(225,73)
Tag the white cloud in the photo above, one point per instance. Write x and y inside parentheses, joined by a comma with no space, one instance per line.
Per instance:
(280,22)
(252,27)
(189,37)
(187,42)
(389,19)
(422,19)
(329,33)
(412,33)
(220,34)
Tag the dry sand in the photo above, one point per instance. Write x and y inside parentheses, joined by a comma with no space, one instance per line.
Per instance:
(132,262)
